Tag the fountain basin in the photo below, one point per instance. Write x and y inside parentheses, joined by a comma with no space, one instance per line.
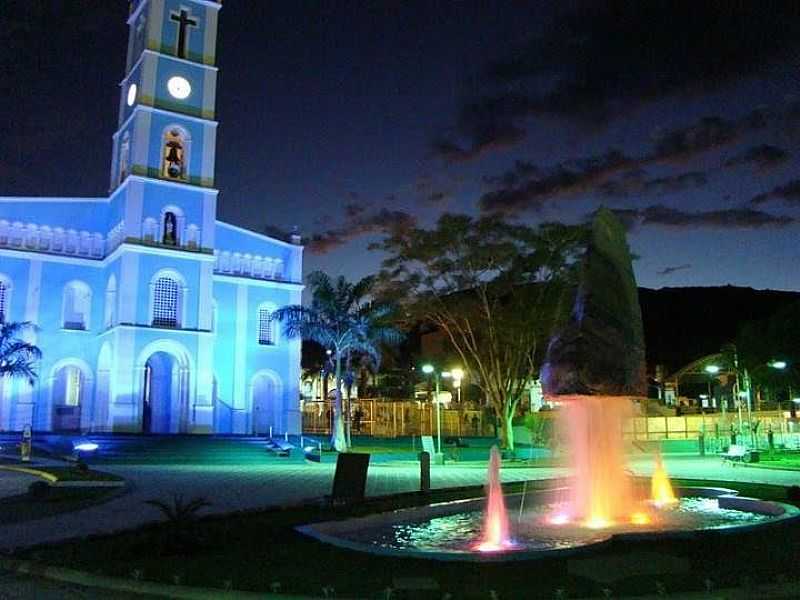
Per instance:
(451,531)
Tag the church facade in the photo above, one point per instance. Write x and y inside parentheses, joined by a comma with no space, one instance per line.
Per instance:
(153,315)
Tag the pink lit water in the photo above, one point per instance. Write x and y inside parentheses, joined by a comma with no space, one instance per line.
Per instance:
(496,534)
(602,492)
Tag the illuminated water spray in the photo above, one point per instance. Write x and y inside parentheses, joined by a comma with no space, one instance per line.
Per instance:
(602,493)
(496,534)
(661,492)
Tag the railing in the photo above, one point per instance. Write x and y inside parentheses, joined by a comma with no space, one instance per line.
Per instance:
(248,265)
(390,418)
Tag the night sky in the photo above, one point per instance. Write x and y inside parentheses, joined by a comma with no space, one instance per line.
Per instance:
(350,118)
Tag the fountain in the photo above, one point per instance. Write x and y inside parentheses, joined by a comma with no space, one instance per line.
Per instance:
(594,370)
(661,492)
(496,536)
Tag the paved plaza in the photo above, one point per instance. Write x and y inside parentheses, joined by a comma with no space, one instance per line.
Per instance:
(276,483)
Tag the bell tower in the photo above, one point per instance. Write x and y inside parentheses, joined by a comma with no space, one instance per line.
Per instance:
(167,103)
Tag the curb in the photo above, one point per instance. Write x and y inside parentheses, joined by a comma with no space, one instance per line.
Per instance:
(118,584)
(49,477)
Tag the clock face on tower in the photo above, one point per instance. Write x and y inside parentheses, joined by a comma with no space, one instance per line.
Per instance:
(131,94)
(179,88)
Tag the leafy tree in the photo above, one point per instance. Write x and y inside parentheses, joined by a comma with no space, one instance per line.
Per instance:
(345,321)
(495,289)
(18,358)
(759,343)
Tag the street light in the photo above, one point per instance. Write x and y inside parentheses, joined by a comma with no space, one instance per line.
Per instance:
(428,369)
(711,370)
(458,375)
(780,365)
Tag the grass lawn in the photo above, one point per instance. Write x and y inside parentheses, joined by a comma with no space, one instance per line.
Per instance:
(69,473)
(56,500)
(779,460)
(250,551)
(19,509)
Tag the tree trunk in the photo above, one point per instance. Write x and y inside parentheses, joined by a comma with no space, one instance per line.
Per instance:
(338,439)
(505,417)
(508,431)
(348,417)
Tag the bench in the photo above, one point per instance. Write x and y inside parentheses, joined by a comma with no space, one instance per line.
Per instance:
(279,447)
(735,453)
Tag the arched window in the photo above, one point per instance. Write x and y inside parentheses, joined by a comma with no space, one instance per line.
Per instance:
(266,325)
(5,298)
(172,223)
(73,382)
(175,153)
(111,302)
(169,235)
(167,302)
(77,305)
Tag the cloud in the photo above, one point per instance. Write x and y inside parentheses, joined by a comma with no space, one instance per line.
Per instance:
(603,60)
(659,215)
(635,182)
(435,190)
(708,133)
(788,192)
(670,270)
(526,187)
(729,218)
(437,197)
(360,223)
(763,157)
(484,132)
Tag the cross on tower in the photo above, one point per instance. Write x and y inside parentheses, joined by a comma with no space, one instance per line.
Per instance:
(183,21)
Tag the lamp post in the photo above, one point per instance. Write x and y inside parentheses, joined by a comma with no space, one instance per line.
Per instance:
(428,369)
(712,371)
(781,365)
(458,375)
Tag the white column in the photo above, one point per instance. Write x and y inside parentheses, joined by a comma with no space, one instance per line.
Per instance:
(240,354)
(27,394)
(128,287)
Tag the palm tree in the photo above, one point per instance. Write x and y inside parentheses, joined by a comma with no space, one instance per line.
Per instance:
(17,357)
(344,321)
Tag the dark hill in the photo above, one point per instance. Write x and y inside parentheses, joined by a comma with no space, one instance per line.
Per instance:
(682,324)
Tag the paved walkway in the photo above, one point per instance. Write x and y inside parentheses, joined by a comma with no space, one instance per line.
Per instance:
(231,488)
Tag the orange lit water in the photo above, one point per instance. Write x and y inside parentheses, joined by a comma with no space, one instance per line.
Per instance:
(661,492)
(602,493)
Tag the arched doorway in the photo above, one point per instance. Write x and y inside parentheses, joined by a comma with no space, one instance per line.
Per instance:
(165,394)
(70,388)
(265,394)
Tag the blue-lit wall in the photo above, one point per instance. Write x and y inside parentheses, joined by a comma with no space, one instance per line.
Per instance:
(207,371)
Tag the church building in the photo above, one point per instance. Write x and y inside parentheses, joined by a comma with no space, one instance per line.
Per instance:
(153,315)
